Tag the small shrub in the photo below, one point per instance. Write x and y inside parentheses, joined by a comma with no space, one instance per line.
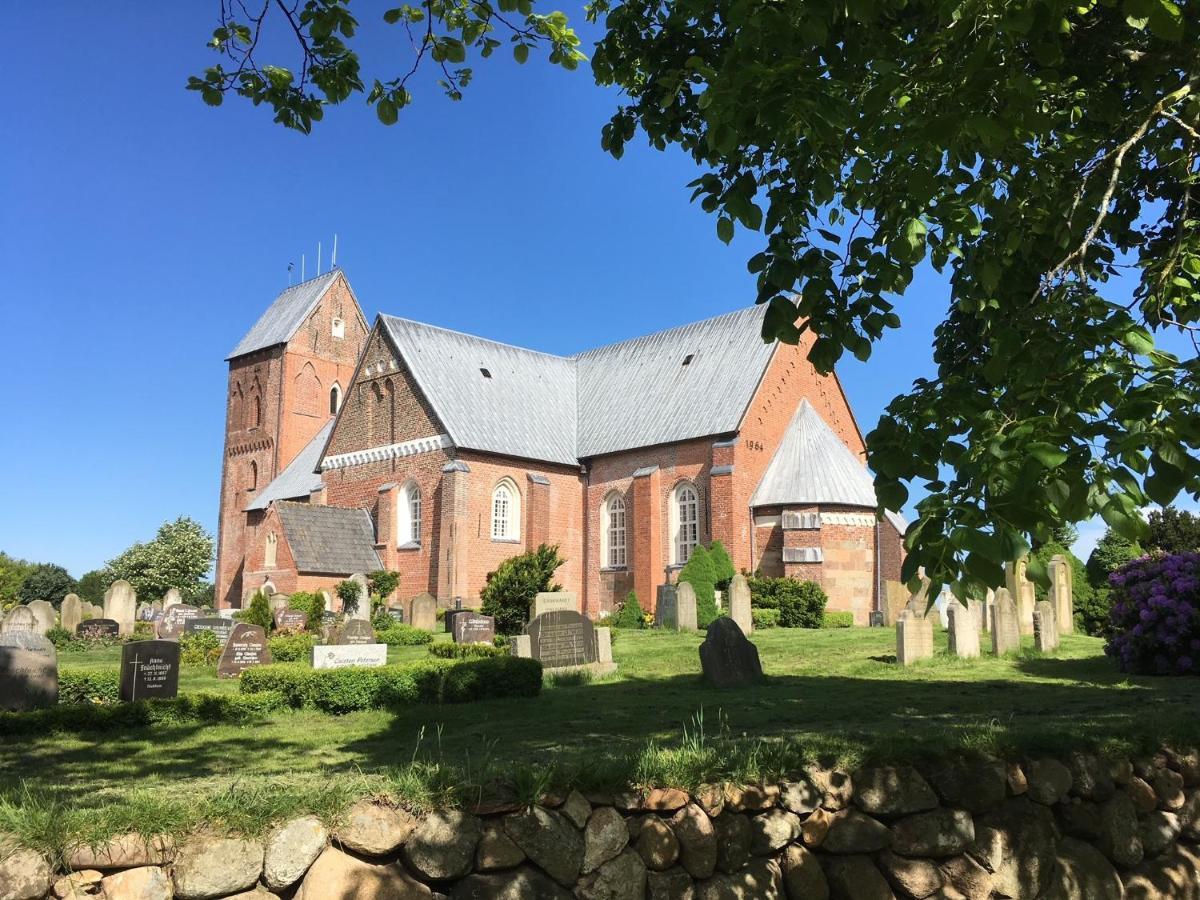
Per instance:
(837,620)
(764,618)
(200,648)
(397,634)
(92,688)
(447,650)
(60,638)
(723,570)
(801,603)
(291,647)
(1155,628)
(383,582)
(630,615)
(350,593)
(698,572)
(510,589)
(502,641)
(143,631)
(258,612)
(312,605)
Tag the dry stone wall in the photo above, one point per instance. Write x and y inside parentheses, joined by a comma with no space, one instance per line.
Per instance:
(1047,828)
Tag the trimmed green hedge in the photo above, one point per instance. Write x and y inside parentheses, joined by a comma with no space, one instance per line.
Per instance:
(88,687)
(432,681)
(291,647)
(466,651)
(201,706)
(764,618)
(837,620)
(401,635)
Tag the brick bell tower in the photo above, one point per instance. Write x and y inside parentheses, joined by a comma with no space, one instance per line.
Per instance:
(287,377)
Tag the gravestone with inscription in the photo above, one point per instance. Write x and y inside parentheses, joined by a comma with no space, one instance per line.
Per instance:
(338,656)
(28,675)
(149,670)
(27,640)
(396,614)
(44,615)
(1045,628)
(472,628)
(170,626)
(686,608)
(19,618)
(727,656)
(964,631)
(449,616)
(562,638)
(120,604)
(246,647)
(1006,632)
(552,601)
(355,631)
(95,629)
(914,637)
(739,603)
(1021,592)
(422,612)
(222,628)
(291,619)
(666,607)
(1060,595)
(70,614)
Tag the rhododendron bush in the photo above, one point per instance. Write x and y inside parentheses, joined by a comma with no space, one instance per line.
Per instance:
(1155,617)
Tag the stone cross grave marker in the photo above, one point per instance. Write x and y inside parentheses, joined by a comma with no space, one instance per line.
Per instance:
(246,647)
(28,674)
(727,657)
(71,612)
(95,629)
(19,618)
(666,606)
(562,638)
(45,615)
(149,670)
(422,612)
(686,608)
(552,601)
(964,631)
(1006,632)
(120,605)
(473,628)
(355,631)
(1061,593)
(339,656)
(739,603)
(1045,628)
(914,637)
(362,609)
(171,625)
(222,628)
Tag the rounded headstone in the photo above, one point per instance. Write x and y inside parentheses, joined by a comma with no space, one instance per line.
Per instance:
(45,615)
(120,605)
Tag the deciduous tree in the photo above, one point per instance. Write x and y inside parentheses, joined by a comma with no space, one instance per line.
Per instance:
(179,556)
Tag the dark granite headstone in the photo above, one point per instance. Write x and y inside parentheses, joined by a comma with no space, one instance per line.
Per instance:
(170,626)
(222,628)
(291,619)
(246,647)
(473,628)
(94,629)
(28,679)
(727,656)
(149,670)
(396,613)
(355,631)
(562,638)
(450,616)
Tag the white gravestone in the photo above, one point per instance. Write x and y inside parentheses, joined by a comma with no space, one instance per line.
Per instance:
(363,609)
(71,612)
(120,605)
(603,646)
(739,603)
(1020,591)
(339,656)
(1006,633)
(45,615)
(1045,628)
(1061,594)
(685,608)
(914,638)
(552,601)
(964,631)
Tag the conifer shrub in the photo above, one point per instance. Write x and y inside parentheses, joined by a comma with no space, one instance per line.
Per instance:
(698,572)
(258,612)
(723,570)
(312,605)
(630,615)
(510,589)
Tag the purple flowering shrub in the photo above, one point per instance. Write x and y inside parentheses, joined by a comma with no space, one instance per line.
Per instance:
(1155,617)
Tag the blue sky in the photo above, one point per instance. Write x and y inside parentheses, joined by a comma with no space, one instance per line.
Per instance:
(144,232)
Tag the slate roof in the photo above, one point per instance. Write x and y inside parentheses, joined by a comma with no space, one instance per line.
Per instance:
(285,314)
(634,393)
(300,477)
(812,465)
(329,540)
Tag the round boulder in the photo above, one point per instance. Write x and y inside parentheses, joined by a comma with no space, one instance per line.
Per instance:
(443,845)
(604,837)
(550,840)
(207,867)
(373,829)
(291,849)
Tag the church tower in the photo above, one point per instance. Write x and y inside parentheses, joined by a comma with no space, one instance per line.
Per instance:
(287,377)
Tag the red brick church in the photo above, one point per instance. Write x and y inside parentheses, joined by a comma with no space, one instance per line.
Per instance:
(402,445)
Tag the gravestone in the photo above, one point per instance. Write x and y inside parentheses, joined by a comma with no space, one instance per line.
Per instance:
(1006,632)
(448,619)
(942,605)
(27,640)
(28,677)
(520,646)
(727,657)
(170,598)
(95,629)
(328,598)
(362,610)
(19,618)
(1045,628)
(339,656)
(988,602)
(686,608)
(1060,595)
(964,631)
(666,606)
(552,601)
(739,603)
(562,638)
(170,626)
(422,612)
(70,613)
(149,670)
(1021,592)
(143,612)
(120,605)
(914,638)
(222,628)
(355,631)
(473,628)
(396,614)
(604,646)
(246,647)
(291,619)
(45,615)
(918,603)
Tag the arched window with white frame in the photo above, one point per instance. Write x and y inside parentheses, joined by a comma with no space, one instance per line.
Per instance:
(506,512)
(408,515)
(270,550)
(685,522)
(612,530)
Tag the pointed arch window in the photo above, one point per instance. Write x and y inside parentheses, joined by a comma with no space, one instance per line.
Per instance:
(408,516)
(506,512)
(335,399)
(253,476)
(270,551)
(685,521)
(255,411)
(612,530)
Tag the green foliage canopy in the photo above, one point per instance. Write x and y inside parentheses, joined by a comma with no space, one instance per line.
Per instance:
(1173,530)
(1030,151)
(511,588)
(179,556)
(13,572)
(46,581)
(700,573)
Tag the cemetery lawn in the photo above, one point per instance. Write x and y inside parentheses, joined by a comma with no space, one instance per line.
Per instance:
(834,695)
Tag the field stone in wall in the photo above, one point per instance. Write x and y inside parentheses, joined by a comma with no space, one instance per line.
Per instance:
(605,835)
(1119,838)
(373,829)
(892,791)
(1081,871)
(123,851)
(976,786)
(1016,842)
(733,841)
(657,845)
(525,883)
(142,883)
(291,848)
(772,831)
(968,877)
(207,867)
(1048,779)
(443,845)
(622,878)
(855,877)
(496,850)
(697,841)
(800,797)
(762,879)
(549,839)
(914,877)
(803,876)
(334,871)
(853,832)
(577,809)
(937,833)
(24,874)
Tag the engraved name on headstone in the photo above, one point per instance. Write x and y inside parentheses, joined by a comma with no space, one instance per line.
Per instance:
(473,628)
(222,628)
(336,656)
(246,647)
(562,638)
(552,601)
(149,670)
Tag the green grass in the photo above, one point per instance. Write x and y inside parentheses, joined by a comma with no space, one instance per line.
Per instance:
(835,695)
